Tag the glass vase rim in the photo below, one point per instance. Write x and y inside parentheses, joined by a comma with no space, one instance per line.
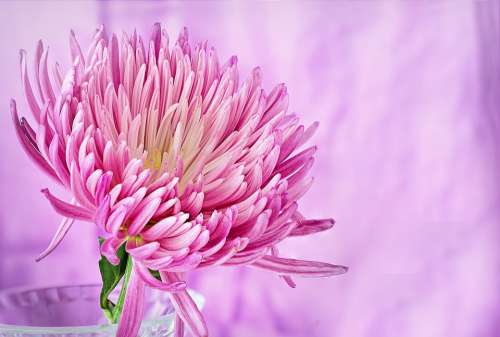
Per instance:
(29,330)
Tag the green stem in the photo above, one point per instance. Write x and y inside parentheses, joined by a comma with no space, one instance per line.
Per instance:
(117,310)
(109,314)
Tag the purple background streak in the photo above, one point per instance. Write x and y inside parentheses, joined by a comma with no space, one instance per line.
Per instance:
(407,94)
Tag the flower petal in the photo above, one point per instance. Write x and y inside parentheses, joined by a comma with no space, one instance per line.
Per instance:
(142,252)
(151,281)
(102,187)
(144,215)
(307,227)
(186,308)
(66,209)
(30,149)
(190,262)
(160,228)
(28,92)
(61,232)
(183,240)
(115,220)
(303,268)
(287,278)
(160,263)
(109,248)
(178,326)
(133,307)
(102,213)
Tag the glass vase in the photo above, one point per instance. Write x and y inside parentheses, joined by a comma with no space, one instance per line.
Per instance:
(73,310)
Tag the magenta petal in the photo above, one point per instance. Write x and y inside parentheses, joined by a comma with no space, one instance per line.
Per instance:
(79,189)
(144,216)
(158,263)
(28,146)
(133,308)
(178,326)
(189,263)
(156,37)
(115,220)
(109,248)
(61,232)
(292,164)
(76,51)
(307,227)
(303,268)
(308,133)
(287,278)
(115,70)
(58,165)
(32,102)
(289,281)
(290,144)
(186,308)
(102,213)
(66,209)
(246,257)
(160,228)
(220,258)
(151,281)
(103,185)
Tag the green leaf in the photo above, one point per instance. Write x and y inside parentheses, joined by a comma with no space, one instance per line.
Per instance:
(111,276)
(156,274)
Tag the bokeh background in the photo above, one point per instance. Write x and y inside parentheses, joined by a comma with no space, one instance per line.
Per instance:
(407,94)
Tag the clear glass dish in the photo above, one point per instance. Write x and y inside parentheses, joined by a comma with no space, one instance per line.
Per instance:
(73,310)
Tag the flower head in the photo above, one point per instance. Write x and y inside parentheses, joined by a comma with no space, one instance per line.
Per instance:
(173,159)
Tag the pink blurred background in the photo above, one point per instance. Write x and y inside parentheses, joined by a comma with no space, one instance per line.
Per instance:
(407,94)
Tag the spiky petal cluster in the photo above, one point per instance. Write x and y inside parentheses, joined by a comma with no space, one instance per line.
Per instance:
(169,155)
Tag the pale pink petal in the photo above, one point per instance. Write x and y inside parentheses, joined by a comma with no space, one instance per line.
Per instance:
(200,241)
(143,251)
(183,240)
(160,229)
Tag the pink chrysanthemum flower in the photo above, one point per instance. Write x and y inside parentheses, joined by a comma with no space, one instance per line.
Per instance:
(178,165)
